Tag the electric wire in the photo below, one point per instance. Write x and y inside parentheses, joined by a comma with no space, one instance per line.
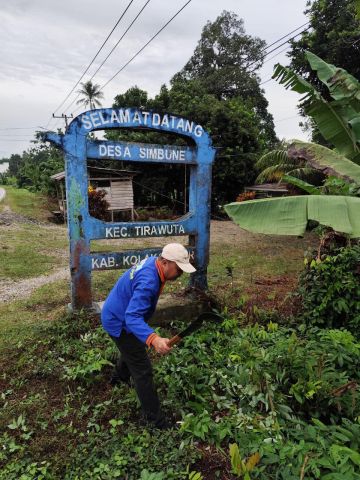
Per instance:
(124,66)
(169,198)
(112,50)
(276,48)
(276,54)
(92,61)
(282,38)
(143,47)
(146,44)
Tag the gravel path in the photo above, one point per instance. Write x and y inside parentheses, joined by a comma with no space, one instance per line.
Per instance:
(14,290)
(11,290)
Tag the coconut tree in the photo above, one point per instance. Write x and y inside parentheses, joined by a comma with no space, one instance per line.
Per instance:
(277,164)
(91,95)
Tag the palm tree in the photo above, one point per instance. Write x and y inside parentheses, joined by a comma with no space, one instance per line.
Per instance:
(91,95)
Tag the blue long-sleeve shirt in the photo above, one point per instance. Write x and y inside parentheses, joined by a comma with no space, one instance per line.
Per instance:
(132,301)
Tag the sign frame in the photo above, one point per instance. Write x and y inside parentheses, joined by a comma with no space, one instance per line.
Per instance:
(83,228)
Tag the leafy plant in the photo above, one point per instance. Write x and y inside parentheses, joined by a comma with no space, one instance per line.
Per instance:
(330,290)
(339,122)
(98,205)
(290,215)
(239,466)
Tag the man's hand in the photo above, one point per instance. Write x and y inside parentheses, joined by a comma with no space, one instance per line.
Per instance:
(161,345)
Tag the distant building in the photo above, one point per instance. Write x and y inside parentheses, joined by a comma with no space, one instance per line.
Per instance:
(265,190)
(118,185)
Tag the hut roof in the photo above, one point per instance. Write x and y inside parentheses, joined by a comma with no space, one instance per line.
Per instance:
(104,173)
(267,187)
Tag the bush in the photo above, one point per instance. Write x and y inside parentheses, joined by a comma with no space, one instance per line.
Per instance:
(330,290)
(98,206)
(243,197)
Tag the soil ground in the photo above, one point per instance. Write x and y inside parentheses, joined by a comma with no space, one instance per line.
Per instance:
(259,270)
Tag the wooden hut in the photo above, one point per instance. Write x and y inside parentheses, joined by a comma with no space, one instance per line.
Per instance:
(265,190)
(118,185)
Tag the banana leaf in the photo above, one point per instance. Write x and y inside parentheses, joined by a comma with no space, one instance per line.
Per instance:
(275,172)
(274,157)
(341,84)
(289,215)
(332,118)
(297,182)
(325,160)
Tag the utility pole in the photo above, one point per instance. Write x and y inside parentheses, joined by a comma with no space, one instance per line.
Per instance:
(65,117)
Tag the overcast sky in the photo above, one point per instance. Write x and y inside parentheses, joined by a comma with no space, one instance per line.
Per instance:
(47,44)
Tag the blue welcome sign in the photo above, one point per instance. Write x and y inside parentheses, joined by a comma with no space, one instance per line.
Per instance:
(83,227)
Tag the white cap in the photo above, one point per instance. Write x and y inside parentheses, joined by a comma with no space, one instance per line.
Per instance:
(175,252)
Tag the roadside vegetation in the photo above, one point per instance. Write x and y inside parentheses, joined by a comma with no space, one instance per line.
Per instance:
(272,393)
(268,394)
(22,201)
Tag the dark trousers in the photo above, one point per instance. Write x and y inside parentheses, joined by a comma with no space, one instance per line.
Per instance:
(134,362)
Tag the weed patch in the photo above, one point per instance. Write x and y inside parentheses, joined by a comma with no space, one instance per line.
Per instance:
(276,394)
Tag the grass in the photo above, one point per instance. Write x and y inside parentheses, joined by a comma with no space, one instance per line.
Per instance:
(29,251)
(21,318)
(24,202)
(47,416)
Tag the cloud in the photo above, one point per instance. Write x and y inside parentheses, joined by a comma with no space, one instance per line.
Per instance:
(46,46)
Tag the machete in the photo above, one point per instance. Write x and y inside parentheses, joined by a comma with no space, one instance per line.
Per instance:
(195,325)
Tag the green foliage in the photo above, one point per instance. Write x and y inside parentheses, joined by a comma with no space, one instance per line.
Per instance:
(98,205)
(91,95)
(300,184)
(145,475)
(216,90)
(32,169)
(336,119)
(221,64)
(330,290)
(290,215)
(268,389)
(333,36)
(337,186)
(89,363)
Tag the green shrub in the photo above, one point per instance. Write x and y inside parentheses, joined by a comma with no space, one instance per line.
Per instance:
(330,290)
(98,205)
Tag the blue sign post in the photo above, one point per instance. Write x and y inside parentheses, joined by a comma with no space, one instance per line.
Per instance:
(83,227)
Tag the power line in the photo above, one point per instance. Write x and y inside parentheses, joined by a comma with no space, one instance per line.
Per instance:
(276,48)
(282,38)
(115,46)
(287,41)
(92,61)
(266,81)
(169,198)
(269,79)
(20,128)
(273,50)
(15,135)
(287,118)
(146,44)
(276,54)
(143,47)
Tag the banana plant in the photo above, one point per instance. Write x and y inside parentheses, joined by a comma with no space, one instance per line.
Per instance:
(339,123)
(339,119)
(290,215)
